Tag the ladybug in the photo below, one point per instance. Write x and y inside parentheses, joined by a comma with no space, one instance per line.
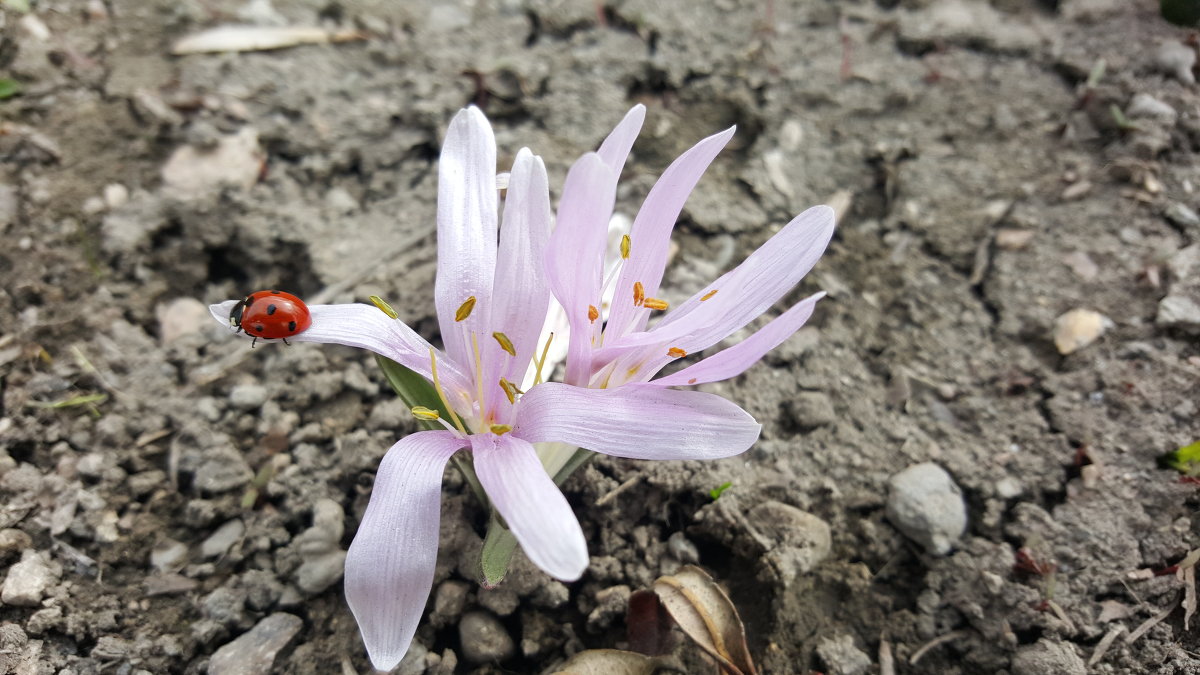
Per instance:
(270,315)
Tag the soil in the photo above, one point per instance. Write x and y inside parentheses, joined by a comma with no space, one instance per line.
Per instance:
(167,490)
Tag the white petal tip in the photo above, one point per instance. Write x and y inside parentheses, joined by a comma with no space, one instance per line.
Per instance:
(221,310)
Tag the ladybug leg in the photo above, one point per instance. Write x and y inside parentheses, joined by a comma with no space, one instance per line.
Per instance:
(253,342)
(286,342)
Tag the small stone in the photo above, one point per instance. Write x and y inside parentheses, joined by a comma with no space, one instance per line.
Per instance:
(235,160)
(28,580)
(1008,488)
(222,470)
(248,396)
(253,653)
(1079,328)
(12,637)
(1179,311)
(13,540)
(115,195)
(1185,262)
(1175,58)
(801,541)
(319,546)
(182,316)
(448,602)
(262,589)
(810,410)
(1048,656)
(1082,265)
(610,604)
(842,657)
(682,549)
(1013,239)
(226,605)
(1181,215)
(44,620)
(1076,191)
(927,506)
(340,202)
(141,484)
(1144,105)
(319,573)
(502,601)
(484,639)
(168,555)
(219,542)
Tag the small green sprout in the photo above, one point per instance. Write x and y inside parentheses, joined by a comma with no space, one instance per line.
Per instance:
(1185,460)
(9,88)
(716,492)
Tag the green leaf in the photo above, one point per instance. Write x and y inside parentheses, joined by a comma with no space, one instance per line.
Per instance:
(413,389)
(715,493)
(577,460)
(498,547)
(9,88)
(1185,460)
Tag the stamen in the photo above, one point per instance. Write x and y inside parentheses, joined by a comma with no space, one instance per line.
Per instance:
(537,373)
(676,352)
(422,413)
(639,294)
(655,303)
(464,310)
(505,343)
(437,385)
(625,244)
(500,429)
(478,368)
(384,307)
(708,295)
(593,313)
(510,390)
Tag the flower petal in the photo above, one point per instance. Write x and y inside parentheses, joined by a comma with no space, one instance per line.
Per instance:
(389,567)
(466,218)
(615,149)
(536,511)
(637,421)
(366,327)
(520,293)
(575,259)
(650,236)
(735,360)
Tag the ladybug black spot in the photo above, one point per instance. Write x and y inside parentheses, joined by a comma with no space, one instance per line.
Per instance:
(270,310)
(275,292)
(258,328)
(291,326)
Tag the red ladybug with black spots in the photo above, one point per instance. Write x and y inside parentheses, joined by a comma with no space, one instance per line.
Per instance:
(270,315)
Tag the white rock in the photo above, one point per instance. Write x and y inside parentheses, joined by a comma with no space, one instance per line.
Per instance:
(1144,105)
(253,653)
(28,580)
(1079,328)
(1180,311)
(179,317)
(115,195)
(236,161)
(925,504)
(168,555)
(1175,58)
(223,539)
(801,541)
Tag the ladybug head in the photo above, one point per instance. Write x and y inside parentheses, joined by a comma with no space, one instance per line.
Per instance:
(235,314)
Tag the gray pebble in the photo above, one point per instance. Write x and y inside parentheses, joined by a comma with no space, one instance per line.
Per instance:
(226,605)
(1180,311)
(502,601)
(219,542)
(610,604)
(1175,58)
(13,540)
(1048,656)
(262,589)
(842,656)
(248,396)
(1181,215)
(12,637)
(799,541)
(319,573)
(811,409)
(28,580)
(925,504)
(1144,105)
(44,620)
(253,653)
(484,639)
(168,555)
(222,470)
(448,602)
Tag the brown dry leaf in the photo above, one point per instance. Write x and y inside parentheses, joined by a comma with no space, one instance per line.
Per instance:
(608,662)
(1187,574)
(707,616)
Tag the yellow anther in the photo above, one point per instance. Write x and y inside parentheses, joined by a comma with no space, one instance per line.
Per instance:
(708,295)
(655,303)
(384,307)
(593,313)
(692,381)
(464,310)
(510,390)
(500,429)
(625,244)
(505,343)
(676,352)
(422,413)
(639,293)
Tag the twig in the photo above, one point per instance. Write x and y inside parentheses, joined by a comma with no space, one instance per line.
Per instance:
(939,640)
(887,664)
(1104,644)
(612,494)
(1150,623)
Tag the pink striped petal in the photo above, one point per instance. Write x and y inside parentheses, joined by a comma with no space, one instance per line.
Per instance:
(389,568)
(575,259)
(536,511)
(466,218)
(735,360)
(650,236)
(615,149)
(520,293)
(366,327)
(637,421)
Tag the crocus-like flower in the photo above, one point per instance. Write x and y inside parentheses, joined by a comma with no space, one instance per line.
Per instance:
(491,295)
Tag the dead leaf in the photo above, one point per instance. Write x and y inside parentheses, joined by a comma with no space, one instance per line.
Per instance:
(707,616)
(257,38)
(608,662)
(648,625)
